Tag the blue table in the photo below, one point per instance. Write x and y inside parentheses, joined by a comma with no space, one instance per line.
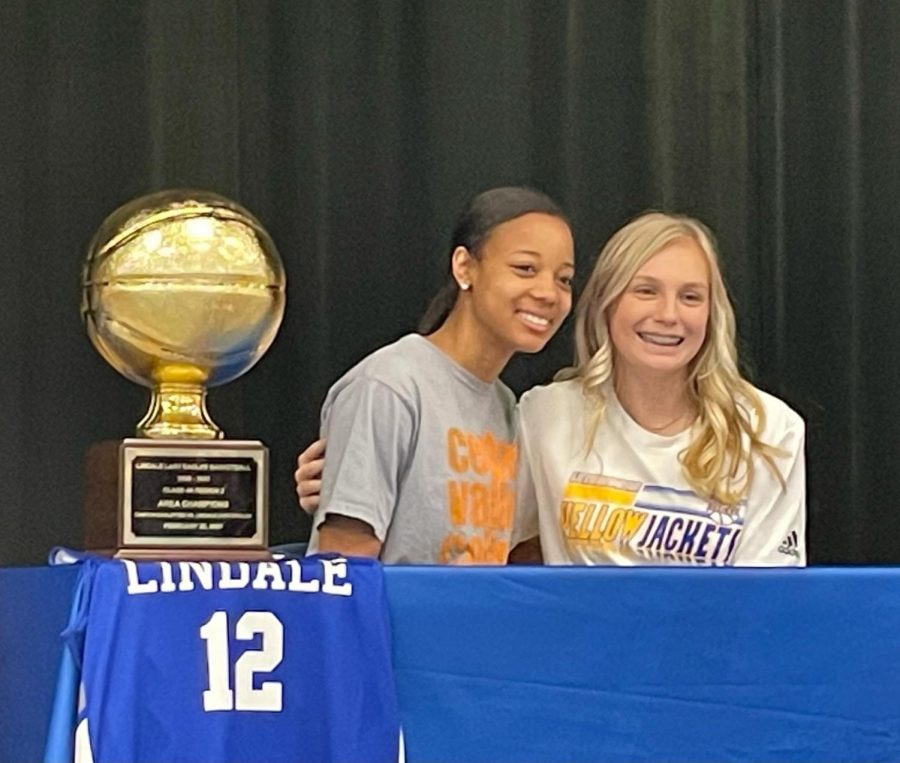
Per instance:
(584,664)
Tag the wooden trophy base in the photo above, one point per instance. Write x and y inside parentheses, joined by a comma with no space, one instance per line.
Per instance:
(101,497)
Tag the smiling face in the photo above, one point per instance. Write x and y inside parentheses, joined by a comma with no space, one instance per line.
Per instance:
(521,287)
(659,322)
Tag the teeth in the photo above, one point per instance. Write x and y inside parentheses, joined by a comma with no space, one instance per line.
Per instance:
(535,320)
(668,341)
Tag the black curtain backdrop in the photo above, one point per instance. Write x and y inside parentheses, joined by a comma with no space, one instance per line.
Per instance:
(356,130)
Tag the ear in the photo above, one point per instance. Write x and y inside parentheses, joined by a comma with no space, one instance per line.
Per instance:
(461,264)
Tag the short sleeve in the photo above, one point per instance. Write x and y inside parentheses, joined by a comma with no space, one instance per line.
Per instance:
(369,430)
(775,532)
(526,524)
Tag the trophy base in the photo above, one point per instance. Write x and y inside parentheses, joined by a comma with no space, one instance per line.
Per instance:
(193,555)
(101,497)
(177,499)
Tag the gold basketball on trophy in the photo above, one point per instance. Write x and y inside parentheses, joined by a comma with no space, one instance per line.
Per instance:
(183,290)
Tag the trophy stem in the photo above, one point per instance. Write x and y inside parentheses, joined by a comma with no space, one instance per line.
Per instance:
(178,411)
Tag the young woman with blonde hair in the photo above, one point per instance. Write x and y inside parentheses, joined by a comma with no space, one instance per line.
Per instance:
(652,448)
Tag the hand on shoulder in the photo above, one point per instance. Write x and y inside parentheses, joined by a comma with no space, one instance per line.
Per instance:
(308,476)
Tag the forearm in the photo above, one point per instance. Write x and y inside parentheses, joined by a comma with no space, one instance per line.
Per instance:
(348,536)
(527,552)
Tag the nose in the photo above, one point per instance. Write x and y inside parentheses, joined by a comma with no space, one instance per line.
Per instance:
(543,287)
(667,309)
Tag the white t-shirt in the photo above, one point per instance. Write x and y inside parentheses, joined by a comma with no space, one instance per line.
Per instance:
(625,501)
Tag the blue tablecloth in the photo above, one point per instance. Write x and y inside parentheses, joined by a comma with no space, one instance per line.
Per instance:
(585,664)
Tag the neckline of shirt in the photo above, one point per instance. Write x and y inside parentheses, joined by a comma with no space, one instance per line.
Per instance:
(641,434)
(464,375)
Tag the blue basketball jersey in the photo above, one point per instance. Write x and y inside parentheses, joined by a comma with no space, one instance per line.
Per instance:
(192,662)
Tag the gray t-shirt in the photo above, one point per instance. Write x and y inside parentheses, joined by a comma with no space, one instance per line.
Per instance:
(423,451)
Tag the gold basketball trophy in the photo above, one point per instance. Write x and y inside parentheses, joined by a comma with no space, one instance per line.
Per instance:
(183,290)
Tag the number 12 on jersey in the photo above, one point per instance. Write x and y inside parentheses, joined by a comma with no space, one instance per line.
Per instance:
(220,695)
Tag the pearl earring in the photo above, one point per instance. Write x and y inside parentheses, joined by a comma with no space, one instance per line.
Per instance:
(464,285)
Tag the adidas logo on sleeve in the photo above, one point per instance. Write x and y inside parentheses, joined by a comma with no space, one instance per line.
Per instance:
(789,545)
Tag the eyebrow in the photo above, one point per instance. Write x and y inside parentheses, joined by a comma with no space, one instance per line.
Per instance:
(541,256)
(690,285)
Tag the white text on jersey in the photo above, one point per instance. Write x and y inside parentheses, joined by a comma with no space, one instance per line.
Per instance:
(172,577)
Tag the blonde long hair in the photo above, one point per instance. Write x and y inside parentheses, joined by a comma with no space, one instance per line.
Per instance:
(718,462)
